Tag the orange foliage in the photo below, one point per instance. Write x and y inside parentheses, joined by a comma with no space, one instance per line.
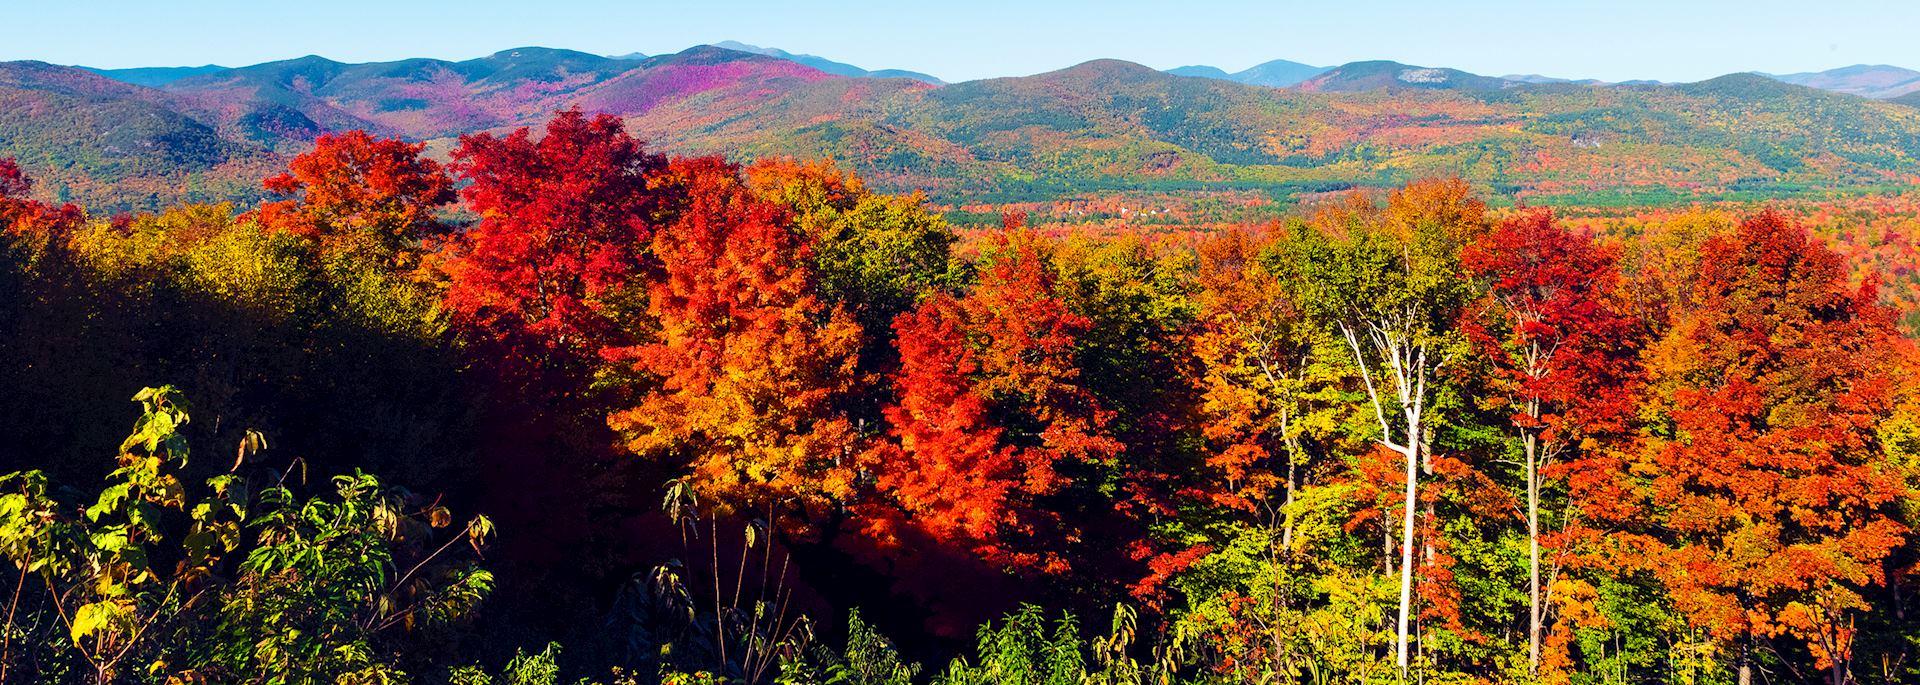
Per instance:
(354,186)
(749,367)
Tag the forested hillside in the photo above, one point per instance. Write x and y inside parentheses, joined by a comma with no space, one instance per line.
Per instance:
(1090,131)
(562,403)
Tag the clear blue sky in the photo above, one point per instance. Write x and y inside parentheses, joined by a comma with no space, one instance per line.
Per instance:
(1674,40)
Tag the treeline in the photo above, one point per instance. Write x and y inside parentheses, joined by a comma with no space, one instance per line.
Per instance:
(705,406)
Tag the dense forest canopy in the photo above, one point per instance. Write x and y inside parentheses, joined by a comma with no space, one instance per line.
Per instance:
(561,403)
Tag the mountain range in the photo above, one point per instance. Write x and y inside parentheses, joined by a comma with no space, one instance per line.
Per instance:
(1278,73)
(135,139)
(1867,80)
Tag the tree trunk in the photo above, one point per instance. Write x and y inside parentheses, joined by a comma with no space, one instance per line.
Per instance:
(1746,666)
(1533,555)
(1406,550)
(1293,460)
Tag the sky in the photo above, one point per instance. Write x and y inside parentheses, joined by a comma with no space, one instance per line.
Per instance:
(1670,40)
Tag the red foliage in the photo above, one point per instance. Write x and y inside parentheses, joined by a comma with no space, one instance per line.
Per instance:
(988,407)
(1561,352)
(949,469)
(22,216)
(1760,504)
(749,367)
(564,225)
(352,184)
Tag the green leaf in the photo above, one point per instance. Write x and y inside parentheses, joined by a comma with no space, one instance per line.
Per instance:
(111,540)
(95,617)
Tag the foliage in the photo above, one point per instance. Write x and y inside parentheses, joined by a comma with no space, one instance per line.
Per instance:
(1391,437)
(355,190)
(750,367)
(154,582)
(564,227)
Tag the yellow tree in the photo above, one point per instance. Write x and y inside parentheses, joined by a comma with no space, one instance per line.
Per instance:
(1387,282)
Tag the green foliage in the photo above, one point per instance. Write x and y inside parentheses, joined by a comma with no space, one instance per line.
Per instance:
(870,659)
(524,669)
(1022,651)
(145,583)
(340,357)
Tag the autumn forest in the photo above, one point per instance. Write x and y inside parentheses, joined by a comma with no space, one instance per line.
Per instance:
(1104,377)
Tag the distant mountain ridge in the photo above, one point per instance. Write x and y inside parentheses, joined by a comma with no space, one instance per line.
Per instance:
(1101,126)
(827,65)
(1278,73)
(154,77)
(1385,75)
(1867,80)
(1874,81)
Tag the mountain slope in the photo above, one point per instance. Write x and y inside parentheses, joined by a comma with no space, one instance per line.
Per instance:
(1384,75)
(116,145)
(1103,126)
(1866,80)
(1201,71)
(154,77)
(1278,73)
(827,65)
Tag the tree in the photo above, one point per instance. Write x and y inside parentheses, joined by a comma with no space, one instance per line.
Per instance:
(873,254)
(1563,357)
(563,236)
(989,409)
(20,215)
(948,469)
(1759,498)
(1387,281)
(748,375)
(352,187)
(1259,378)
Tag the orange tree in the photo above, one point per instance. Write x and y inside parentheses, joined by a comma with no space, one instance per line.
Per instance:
(1759,497)
(352,187)
(746,377)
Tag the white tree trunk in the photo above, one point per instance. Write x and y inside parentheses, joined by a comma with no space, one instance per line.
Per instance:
(1534,610)
(1406,554)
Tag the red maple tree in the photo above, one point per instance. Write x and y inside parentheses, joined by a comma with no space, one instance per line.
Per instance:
(355,187)
(564,226)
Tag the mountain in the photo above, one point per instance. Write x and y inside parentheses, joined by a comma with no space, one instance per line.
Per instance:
(1384,75)
(1910,99)
(1109,126)
(117,145)
(154,77)
(1278,73)
(827,65)
(1866,80)
(1537,79)
(1201,71)
(282,105)
(1100,127)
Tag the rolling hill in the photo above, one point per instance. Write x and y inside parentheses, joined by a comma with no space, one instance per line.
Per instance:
(1101,127)
(1866,80)
(155,77)
(111,144)
(827,65)
(1278,73)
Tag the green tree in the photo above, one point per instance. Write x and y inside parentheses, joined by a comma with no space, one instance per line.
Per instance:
(1387,280)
